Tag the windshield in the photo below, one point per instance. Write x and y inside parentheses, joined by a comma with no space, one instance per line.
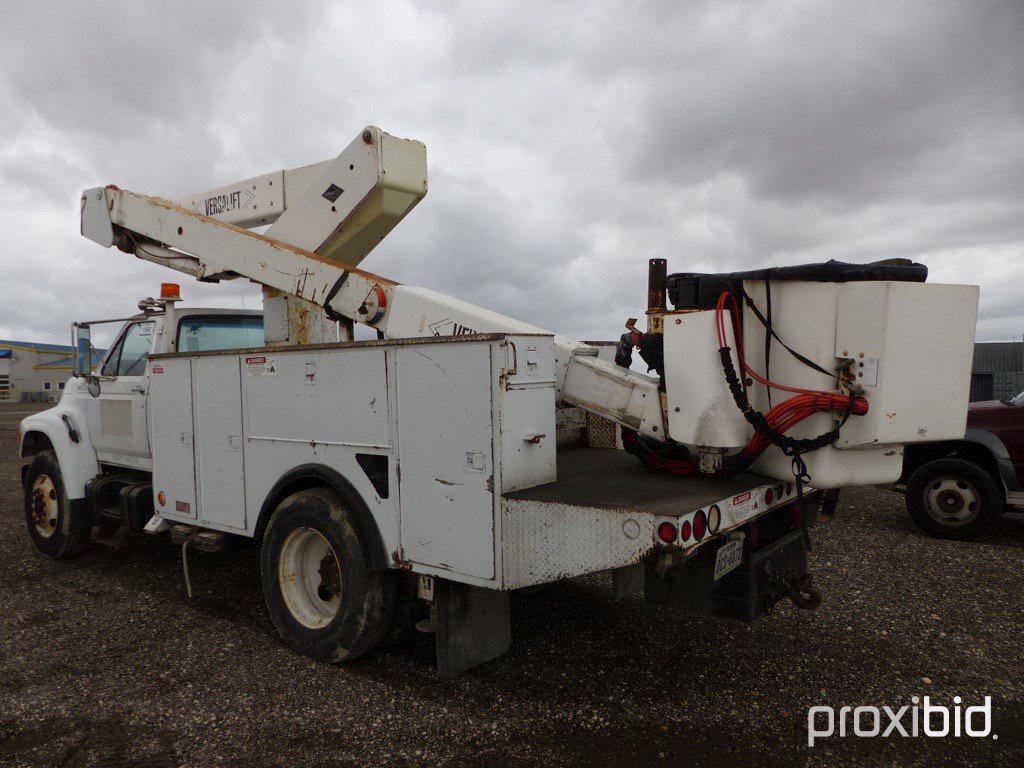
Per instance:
(205,333)
(1017,400)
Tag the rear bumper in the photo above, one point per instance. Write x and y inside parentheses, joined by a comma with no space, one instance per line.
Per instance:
(763,578)
(731,514)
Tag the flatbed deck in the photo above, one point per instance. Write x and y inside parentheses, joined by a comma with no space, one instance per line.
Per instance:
(611,479)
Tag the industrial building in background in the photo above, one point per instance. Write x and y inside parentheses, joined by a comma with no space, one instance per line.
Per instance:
(34,372)
(998,370)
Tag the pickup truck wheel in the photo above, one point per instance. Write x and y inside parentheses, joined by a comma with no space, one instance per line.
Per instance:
(55,527)
(324,597)
(953,499)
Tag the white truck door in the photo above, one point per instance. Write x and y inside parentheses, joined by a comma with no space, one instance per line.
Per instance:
(117,419)
(445,446)
(217,400)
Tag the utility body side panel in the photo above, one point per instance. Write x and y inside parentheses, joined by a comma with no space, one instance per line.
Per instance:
(320,396)
(527,413)
(173,439)
(435,410)
(220,471)
(319,407)
(447,457)
(257,416)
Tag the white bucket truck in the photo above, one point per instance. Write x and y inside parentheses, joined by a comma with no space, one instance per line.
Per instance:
(420,469)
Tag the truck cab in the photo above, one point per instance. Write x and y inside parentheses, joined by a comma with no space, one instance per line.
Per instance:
(100,428)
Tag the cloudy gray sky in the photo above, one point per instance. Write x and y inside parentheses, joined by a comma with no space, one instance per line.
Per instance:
(568,142)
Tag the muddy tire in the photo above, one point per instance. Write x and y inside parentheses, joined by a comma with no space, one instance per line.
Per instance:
(953,499)
(56,528)
(324,596)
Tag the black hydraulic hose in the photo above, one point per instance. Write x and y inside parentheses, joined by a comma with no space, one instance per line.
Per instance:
(791,446)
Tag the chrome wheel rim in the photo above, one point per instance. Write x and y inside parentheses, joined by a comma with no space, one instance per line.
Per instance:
(309,577)
(43,505)
(952,501)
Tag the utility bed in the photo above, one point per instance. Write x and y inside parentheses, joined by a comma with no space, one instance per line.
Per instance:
(444,451)
(449,441)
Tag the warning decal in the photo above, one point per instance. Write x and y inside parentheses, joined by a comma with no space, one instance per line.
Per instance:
(259,365)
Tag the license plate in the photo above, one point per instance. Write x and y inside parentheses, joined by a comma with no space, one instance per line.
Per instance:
(729,557)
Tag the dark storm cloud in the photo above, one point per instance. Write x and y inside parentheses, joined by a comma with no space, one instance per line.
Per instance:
(853,101)
(567,142)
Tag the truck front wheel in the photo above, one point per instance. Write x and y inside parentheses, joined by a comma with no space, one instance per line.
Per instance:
(953,498)
(324,597)
(56,528)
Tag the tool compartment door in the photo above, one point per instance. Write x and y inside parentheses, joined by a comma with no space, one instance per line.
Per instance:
(170,412)
(217,395)
(445,445)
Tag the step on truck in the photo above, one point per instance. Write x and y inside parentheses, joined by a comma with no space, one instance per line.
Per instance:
(415,478)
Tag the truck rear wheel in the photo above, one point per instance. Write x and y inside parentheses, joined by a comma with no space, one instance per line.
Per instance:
(55,527)
(324,596)
(953,499)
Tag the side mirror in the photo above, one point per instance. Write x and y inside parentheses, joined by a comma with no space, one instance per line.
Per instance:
(83,350)
(83,358)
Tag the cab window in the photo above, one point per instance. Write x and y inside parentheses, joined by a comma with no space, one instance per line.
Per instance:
(205,333)
(128,357)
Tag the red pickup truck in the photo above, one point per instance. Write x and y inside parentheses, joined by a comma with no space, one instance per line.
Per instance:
(957,489)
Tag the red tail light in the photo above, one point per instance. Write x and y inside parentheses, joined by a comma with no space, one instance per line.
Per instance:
(685,530)
(700,525)
(667,532)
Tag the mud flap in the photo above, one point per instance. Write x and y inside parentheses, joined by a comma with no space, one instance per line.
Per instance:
(627,581)
(471,626)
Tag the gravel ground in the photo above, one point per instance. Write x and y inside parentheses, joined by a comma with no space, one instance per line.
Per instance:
(105,662)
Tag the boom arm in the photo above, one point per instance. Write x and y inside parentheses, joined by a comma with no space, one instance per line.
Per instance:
(339,208)
(326,218)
